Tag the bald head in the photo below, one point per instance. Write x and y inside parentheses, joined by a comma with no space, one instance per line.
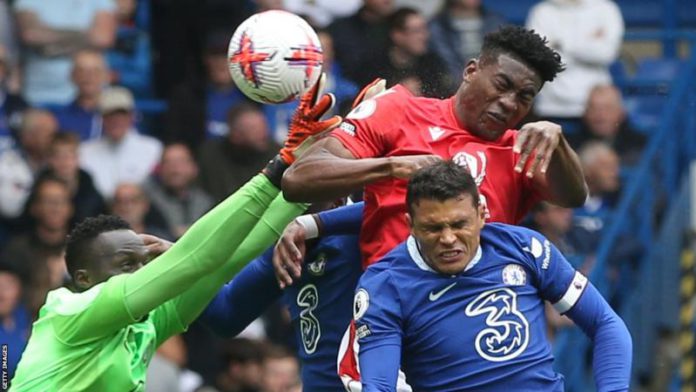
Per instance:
(90,73)
(37,131)
(601,166)
(604,112)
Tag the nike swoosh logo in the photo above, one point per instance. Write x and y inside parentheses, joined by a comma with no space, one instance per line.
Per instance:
(435,296)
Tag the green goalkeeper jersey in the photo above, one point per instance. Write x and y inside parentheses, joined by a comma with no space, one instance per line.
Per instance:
(103,339)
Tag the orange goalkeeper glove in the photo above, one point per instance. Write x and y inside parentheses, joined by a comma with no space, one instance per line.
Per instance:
(306,126)
(370,91)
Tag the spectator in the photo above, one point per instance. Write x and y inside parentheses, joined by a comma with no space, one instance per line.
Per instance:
(588,35)
(600,164)
(129,59)
(199,112)
(63,162)
(336,83)
(121,154)
(38,252)
(605,120)
(228,163)
(408,56)
(242,372)
(281,370)
(456,33)
(164,372)
(52,31)
(556,224)
(8,41)
(361,36)
(132,204)
(11,105)
(15,323)
(321,13)
(173,192)
(90,75)
(19,166)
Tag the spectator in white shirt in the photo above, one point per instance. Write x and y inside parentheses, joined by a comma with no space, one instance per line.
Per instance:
(588,35)
(121,154)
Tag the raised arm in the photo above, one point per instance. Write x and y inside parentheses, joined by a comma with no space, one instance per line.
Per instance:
(547,158)
(329,170)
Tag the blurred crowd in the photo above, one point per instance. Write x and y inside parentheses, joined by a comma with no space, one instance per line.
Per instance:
(79,135)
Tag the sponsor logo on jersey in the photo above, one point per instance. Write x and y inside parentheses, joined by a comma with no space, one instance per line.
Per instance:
(364,110)
(537,249)
(318,266)
(348,128)
(514,275)
(362,331)
(360,304)
(310,329)
(436,132)
(434,296)
(475,163)
(506,332)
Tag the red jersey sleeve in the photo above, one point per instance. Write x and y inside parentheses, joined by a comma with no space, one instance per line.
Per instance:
(370,129)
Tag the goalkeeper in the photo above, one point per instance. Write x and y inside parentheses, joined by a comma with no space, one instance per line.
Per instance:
(102,336)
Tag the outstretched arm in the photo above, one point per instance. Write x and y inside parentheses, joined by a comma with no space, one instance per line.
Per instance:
(613,349)
(329,170)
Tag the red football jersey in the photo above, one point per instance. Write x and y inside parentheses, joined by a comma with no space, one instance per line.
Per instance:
(398,123)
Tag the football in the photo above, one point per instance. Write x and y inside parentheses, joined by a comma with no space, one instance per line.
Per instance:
(274,57)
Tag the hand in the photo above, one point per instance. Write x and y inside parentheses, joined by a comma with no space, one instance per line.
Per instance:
(370,91)
(405,166)
(289,253)
(305,126)
(155,245)
(540,138)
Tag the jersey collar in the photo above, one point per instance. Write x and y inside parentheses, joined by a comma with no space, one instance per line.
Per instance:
(417,257)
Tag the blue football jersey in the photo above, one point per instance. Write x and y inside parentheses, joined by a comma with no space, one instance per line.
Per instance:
(481,330)
(320,307)
(319,304)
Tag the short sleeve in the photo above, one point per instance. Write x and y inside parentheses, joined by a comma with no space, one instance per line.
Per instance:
(370,129)
(377,312)
(558,282)
(92,314)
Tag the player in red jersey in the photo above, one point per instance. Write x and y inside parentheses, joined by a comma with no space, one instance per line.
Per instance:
(513,169)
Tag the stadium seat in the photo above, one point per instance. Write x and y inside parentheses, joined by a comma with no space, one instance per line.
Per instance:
(658,69)
(643,13)
(515,11)
(644,111)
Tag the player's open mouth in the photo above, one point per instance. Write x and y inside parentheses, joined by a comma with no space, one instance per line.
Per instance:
(450,256)
(499,118)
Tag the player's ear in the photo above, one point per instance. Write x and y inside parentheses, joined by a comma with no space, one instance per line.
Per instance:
(470,68)
(82,280)
(409,220)
(481,215)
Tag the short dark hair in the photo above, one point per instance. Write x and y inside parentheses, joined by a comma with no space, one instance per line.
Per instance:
(240,109)
(65,137)
(397,20)
(442,181)
(80,238)
(524,45)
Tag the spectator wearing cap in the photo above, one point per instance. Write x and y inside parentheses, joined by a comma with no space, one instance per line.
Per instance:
(198,112)
(173,191)
(90,75)
(121,154)
(19,166)
(15,323)
(51,33)
(11,105)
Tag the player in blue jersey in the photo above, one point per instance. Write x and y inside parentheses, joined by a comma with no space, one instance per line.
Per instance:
(317,302)
(460,305)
